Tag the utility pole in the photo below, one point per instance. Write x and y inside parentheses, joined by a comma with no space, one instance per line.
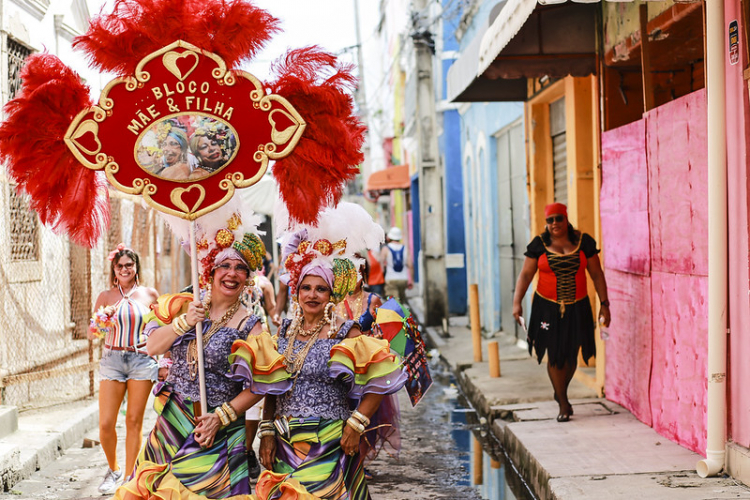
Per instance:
(361,96)
(430,175)
(361,99)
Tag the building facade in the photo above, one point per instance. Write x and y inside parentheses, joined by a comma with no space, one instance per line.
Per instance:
(636,114)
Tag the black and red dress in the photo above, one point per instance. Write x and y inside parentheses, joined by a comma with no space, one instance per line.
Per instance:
(561,319)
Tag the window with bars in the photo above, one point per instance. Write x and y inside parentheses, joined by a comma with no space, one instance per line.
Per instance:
(24,224)
(17,54)
(24,240)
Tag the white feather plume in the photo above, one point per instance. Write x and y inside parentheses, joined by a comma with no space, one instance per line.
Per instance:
(207,225)
(346,221)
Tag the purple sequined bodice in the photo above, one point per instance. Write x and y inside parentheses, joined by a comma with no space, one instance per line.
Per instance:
(315,393)
(219,388)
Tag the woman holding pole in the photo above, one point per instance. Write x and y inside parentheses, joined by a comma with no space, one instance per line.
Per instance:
(190,451)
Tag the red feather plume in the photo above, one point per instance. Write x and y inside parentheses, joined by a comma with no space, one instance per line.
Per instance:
(68,197)
(329,152)
(233,29)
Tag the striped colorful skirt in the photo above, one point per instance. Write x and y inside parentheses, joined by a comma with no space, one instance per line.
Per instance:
(216,472)
(310,461)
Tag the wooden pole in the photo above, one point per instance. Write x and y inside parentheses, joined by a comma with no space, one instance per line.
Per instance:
(493,350)
(199,325)
(478,462)
(476,326)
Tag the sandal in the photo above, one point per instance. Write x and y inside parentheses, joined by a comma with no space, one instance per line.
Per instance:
(563,417)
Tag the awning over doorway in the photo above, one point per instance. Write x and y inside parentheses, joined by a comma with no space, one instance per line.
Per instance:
(389,178)
(527,39)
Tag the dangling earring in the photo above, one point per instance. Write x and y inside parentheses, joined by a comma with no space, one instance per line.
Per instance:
(115,282)
(329,314)
(250,298)
(207,296)
(136,279)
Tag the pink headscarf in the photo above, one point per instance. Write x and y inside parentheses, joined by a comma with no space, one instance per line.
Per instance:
(316,270)
(229,253)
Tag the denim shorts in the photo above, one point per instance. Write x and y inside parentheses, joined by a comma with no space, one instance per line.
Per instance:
(122,366)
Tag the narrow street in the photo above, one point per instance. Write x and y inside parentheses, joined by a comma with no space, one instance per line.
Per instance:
(435,461)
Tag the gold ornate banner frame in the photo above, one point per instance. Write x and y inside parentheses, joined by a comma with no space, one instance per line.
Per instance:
(184,132)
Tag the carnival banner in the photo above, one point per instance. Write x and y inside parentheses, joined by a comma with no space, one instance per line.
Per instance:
(181,124)
(184,132)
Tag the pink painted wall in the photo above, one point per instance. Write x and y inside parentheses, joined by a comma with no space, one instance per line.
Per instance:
(653,206)
(625,191)
(677,163)
(739,206)
(624,211)
(629,352)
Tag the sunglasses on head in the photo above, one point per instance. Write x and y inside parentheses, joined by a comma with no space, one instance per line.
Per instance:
(555,218)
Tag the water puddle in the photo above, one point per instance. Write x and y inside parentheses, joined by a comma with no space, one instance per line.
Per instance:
(487,468)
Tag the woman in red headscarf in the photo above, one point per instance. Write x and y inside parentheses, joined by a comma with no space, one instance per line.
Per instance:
(561,319)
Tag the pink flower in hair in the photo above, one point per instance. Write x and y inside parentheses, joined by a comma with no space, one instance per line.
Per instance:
(114,252)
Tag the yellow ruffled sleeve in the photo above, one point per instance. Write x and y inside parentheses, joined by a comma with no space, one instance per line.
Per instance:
(367,365)
(257,363)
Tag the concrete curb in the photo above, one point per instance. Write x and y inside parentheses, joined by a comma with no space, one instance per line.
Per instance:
(42,437)
(603,452)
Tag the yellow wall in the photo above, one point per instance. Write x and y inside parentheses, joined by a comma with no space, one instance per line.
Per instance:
(583,153)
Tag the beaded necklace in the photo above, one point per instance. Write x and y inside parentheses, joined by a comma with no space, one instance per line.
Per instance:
(192,352)
(292,361)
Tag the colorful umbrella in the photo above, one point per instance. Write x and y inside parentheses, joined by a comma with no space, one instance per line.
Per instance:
(395,323)
(391,323)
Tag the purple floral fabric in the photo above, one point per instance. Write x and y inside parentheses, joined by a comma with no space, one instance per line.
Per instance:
(219,387)
(315,393)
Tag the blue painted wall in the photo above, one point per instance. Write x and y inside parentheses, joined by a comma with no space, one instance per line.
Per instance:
(449,143)
(478,123)
(453,189)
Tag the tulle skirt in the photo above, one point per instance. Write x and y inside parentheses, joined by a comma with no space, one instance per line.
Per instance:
(558,335)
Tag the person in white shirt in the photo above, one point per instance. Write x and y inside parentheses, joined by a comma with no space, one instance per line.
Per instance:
(397,264)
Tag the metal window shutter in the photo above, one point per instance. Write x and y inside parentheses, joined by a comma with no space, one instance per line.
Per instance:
(559,149)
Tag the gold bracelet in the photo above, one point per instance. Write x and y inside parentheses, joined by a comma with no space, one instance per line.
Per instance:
(229,411)
(268,424)
(357,426)
(182,320)
(359,416)
(222,416)
(177,330)
(266,433)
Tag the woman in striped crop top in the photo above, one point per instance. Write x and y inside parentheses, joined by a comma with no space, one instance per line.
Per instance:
(125,366)
(561,321)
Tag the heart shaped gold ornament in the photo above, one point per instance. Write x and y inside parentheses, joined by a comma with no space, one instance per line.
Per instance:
(282,136)
(171,59)
(87,127)
(177,194)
